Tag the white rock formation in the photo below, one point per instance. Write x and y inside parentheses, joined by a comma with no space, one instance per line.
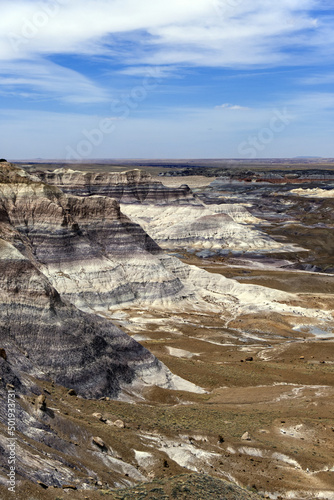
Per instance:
(314,192)
(211,227)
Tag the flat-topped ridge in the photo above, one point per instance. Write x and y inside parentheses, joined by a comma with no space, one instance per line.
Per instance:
(130,186)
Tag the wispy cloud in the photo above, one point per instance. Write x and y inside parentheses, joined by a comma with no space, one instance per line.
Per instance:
(187,32)
(136,35)
(159,71)
(234,107)
(86,53)
(51,80)
(319,79)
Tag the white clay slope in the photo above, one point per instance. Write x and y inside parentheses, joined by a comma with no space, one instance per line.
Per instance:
(314,192)
(211,227)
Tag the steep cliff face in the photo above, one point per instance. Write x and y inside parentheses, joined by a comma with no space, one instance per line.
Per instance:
(94,255)
(133,186)
(75,349)
(81,245)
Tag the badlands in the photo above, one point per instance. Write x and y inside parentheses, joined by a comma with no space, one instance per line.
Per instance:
(167,337)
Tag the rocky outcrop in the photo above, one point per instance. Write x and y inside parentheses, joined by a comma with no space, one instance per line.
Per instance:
(82,245)
(98,259)
(94,255)
(46,338)
(133,186)
(50,448)
(173,216)
(75,349)
(218,228)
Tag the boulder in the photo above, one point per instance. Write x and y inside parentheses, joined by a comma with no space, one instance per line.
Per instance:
(119,423)
(40,402)
(246,437)
(99,443)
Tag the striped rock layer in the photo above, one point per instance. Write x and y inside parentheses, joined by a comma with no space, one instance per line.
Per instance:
(133,186)
(48,238)
(173,216)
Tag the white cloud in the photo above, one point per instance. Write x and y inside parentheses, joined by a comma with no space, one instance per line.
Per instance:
(231,106)
(141,36)
(138,34)
(144,70)
(187,31)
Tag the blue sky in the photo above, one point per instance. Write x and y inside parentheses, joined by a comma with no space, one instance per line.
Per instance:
(83,79)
